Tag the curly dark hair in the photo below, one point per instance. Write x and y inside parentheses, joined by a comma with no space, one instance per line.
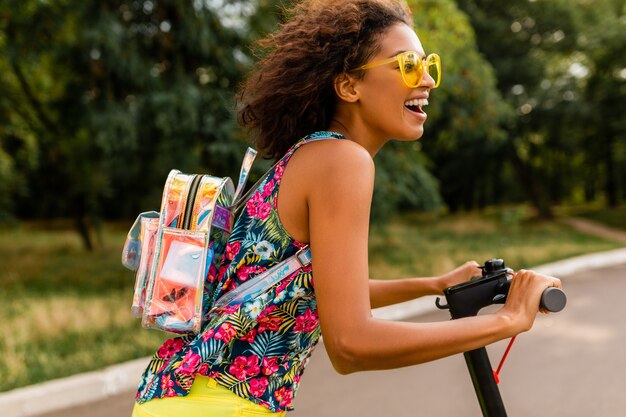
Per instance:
(290,92)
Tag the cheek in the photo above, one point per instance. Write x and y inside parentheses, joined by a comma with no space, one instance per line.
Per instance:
(388,94)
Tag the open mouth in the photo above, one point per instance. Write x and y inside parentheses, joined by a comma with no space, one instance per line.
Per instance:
(416,105)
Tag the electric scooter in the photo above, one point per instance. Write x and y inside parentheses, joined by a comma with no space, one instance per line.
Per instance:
(467,299)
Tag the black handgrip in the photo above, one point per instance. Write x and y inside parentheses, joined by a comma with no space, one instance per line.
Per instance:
(553,299)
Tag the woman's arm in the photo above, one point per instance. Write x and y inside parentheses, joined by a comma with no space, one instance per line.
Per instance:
(384,293)
(339,191)
(387,292)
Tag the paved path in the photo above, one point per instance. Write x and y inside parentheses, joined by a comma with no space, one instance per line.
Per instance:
(572,364)
(595,228)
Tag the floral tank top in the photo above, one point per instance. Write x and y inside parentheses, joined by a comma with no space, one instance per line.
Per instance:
(258,349)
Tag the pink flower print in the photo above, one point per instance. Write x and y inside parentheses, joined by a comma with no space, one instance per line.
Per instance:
(189,363)
(269,323)
(203,369)
(222,272)
(268,188)
(207,335)
(232,249)
(249,337)
(214,374)
(167,383)
(284,396)
(230,309)
(267,311)
(299,245)
(244,272)
(212,276)
(264,210)
(258,386)
(243,367)
(252,206)
(306,322)
(278,171)
(170,393)
(269,366)
(225,333)
(169,348)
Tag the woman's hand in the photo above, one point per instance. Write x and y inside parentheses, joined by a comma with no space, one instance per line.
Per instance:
(522,303)
(461,274)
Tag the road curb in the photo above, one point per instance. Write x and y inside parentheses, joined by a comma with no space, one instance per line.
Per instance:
(75,390)
(561,268)
(98,385)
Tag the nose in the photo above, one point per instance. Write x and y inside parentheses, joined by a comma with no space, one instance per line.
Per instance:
(427,81)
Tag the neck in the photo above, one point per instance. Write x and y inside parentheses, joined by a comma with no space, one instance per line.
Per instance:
(357,131)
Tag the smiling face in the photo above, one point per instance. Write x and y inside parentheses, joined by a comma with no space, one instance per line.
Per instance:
(383,107)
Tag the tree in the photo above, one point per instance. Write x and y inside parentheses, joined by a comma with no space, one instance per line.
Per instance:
(544,52)
(463,133)
(604,38)
(116,93)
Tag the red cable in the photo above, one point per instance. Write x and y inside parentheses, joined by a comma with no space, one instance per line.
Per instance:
(506,352)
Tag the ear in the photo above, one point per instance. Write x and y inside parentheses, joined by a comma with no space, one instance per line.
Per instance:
(345,89)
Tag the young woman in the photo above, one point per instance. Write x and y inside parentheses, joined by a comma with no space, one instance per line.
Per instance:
(339,81)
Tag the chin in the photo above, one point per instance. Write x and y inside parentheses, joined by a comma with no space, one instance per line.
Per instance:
(410,136)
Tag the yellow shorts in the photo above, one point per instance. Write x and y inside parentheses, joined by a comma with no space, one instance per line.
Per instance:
(206,398)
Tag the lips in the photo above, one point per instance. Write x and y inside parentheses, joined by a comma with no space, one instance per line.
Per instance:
(415,105)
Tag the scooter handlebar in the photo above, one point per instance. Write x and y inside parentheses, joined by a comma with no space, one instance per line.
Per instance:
(553,299)
(467,298)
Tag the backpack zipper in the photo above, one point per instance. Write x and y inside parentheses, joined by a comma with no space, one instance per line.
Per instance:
(193,190)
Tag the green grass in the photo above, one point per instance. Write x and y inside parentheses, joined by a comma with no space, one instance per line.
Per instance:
(67,311)
(423,246)
(64,310)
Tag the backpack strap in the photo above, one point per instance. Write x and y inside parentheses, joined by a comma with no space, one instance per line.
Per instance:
(248,159)
(322,135)
(265,280)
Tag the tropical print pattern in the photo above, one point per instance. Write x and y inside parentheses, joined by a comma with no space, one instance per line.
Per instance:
(258,349)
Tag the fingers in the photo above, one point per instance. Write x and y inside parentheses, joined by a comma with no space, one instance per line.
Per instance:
(532,285)
(547,280)
(474,268)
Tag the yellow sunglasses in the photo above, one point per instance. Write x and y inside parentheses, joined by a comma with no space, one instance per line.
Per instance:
(412,67)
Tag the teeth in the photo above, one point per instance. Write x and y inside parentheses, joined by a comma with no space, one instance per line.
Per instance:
(417,102)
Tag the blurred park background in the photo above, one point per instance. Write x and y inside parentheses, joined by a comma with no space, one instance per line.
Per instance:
(99,99)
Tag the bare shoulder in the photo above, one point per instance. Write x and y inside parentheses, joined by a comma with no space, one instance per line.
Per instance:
(321,178)
(334,161)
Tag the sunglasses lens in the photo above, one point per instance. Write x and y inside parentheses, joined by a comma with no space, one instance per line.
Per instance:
(433,67)
(411,69)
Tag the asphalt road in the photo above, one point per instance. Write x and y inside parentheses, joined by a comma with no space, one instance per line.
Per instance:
(572,364)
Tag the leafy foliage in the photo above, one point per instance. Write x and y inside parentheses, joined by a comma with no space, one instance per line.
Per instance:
(463,133)
(102,98)
(115,94)
(563,141)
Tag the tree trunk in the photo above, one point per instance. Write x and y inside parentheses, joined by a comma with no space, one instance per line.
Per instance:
(81,224)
